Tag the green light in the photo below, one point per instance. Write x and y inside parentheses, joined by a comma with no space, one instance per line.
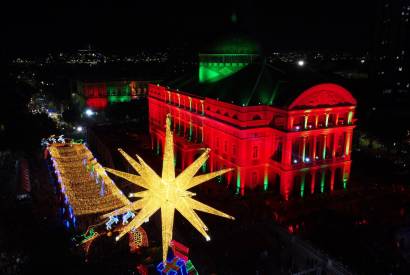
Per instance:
(158,147)
(302,186)
(114,99)
(226,58)
(238,181)
(344,184)
(266,179)
(119,93)
(213,72)
(306,122)
(234,18)
(204,167)
(322,182)
(304,149)
(324,148)
(190,131)
(349,118)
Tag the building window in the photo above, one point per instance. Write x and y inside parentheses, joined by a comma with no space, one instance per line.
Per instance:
(256,117)
(255,152)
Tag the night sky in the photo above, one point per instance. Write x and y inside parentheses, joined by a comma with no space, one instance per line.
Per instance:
(38,26)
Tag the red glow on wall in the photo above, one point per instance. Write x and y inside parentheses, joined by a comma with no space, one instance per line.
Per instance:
(327,94)
(97,103)
(295,152)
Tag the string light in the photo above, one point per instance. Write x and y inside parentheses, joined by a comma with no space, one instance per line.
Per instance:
(168,193)
(79,187)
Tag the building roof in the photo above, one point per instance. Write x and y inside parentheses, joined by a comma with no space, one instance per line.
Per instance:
(257,83)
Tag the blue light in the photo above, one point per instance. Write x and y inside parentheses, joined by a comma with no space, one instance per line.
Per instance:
(112,220)
(102,190)
(127,216)
(89,112)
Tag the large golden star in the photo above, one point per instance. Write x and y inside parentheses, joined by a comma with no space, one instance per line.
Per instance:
(166,193)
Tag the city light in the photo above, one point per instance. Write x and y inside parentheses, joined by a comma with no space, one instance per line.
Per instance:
(79,129)
(89,112)
(301,63)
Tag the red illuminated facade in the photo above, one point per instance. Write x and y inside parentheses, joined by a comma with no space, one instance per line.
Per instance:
(298,148)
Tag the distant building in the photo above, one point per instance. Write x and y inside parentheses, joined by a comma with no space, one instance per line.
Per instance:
(99,94)
(283,128)
(392,46)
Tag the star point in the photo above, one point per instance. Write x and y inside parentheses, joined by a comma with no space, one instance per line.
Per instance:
(166,193)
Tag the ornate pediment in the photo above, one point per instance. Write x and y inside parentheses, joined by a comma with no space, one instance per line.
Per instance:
(323,95)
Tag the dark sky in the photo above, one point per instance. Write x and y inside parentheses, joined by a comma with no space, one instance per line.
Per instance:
(38,26)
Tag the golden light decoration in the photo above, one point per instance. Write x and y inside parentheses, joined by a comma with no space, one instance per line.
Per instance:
(137,238)
(168,193)
(79,186)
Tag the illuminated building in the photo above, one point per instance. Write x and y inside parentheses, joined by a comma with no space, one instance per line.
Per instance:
(283,129)
(99,94)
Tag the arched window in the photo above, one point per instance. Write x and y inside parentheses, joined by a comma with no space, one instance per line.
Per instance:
(226,114)
(235,117)
(218,111)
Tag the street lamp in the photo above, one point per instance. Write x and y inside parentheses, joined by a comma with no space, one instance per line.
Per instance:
(89,112)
